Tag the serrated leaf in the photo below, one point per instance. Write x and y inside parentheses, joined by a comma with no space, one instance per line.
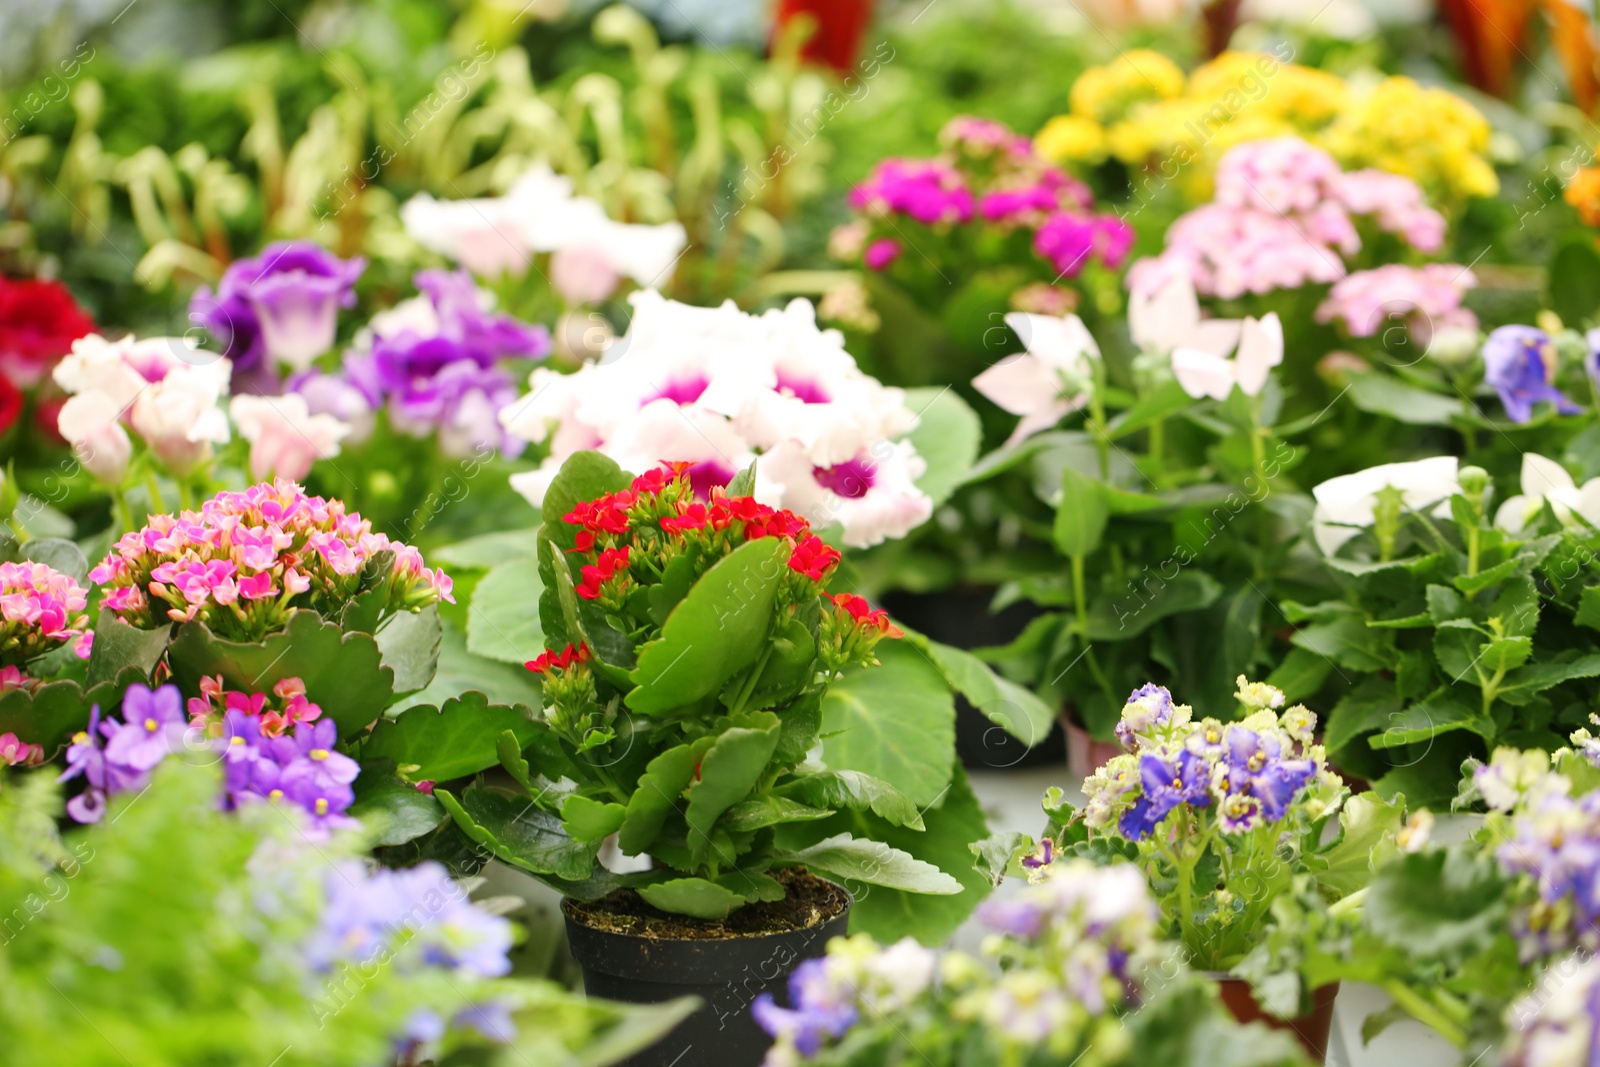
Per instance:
(994,854)
(520,833)
(1440,713)
(119,645)
(58,553)
(1003,702)
(658,794)
(1301,674)
(591,820)
(873,862)
(768,809)
(1120,617)
(857,792)
(730,769)
(408,644)
(403,810)
(457,739)
(1366,824)
(1439,905)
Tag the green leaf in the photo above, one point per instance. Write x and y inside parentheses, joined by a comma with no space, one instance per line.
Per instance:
(1440,905)
(402,810)
(953,826)
(408,644)
(1081,516)
(895,722)
(697,897)
(1541,676)
(1371,707)
(487,551)
(1588,608)
(875,863)
(520,833)
(343,672)
(768,809)
(1506,653)
(118,646)
(1365,824)
(1487,577)
(716,631)
(743,483)
(947,436)
(1122,617)
(53,712)
(1438,714)
(1574,280)
(591,820)
(1301,674)
(1005,703)
(995,854)
(584,476)
(508,749)
(503,618)
(856,792)
(731,768)
(1168,399)
(452,741)
(460,671)
(1383,395)
(658,794)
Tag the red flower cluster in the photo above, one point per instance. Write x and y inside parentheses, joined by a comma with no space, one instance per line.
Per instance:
(864,614)
(39,320)
(613,561)
(558,660)
(663,497)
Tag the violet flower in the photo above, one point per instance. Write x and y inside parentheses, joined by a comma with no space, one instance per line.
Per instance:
(279,307)
(813,1017)
(1166,784)
(1520,362)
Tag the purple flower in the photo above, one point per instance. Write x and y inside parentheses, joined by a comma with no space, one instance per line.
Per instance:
(1023,918)
(1520,362)
(1147,707)
(117,757)
(1254,766)
(817,1012)
(1165,784)
(460,306)
(280,307)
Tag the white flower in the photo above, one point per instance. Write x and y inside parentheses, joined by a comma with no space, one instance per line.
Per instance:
(1049,381)
(1416,833)
(285,438)
(1203,373)
(1345,504)
(873,495)
(1546,480)
(168,390)
(480,234)
(1169,318)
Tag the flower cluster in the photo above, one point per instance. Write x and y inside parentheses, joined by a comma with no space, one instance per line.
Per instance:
(434,361)
(1141,110)
(40,610)
(590,254)
(16,752)
(164,388)
(246,560)
(714,388)
(1558,1023)
(988,176)
(1252,770)
(1063,962)
(1284,216)
(1520,362)
(280,308)
(1426,299)
(302,769)
(276,713)
(115,757)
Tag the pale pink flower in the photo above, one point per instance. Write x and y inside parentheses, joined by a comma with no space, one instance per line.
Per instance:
(285,438)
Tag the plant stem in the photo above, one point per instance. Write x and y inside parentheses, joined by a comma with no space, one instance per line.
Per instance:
(158,504)
(1350,903)
(1424,1011)
(1472,552)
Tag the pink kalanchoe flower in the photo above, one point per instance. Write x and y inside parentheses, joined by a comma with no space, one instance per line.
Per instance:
(1425,298)
(14,752)
(41,609)
(881,253)
(274,714)
(246,560)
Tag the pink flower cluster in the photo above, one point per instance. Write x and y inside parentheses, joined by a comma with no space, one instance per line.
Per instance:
(288,706)
(1283,216)
(245,560)
(988,174)
(14,751)
(40,610)
(1426,299)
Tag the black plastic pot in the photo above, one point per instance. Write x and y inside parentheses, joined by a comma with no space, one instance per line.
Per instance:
(961,617)
(727,974)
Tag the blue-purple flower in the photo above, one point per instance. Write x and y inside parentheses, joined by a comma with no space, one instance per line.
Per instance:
(1254,765)
(1520,362)
(116,757)
(816,1013)
(279,307)
(1165,784)
(1148,707)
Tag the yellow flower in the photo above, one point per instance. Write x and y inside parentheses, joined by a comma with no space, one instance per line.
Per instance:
(1071,139)
(1584,194)
(1106,94)
(1430,135)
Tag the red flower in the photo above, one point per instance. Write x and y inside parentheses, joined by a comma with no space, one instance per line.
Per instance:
(10,403)
(864,615)
(608,514)
(39,320)
(693,517)
(812,558)
(559,660)
(595,575)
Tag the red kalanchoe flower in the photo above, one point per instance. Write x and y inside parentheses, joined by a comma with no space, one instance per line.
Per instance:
(10,403)
(39,320)
(612,561)
(562,660)
(865,616)
(813,558)
(693,517)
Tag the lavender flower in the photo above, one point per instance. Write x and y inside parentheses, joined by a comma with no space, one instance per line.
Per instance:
(1558,1024)
(815,1015)
(1520,362)
(1148,707)
(117,757)
(1254,766)
(280,307)
(1166,784)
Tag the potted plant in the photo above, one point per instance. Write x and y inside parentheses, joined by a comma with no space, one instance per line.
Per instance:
(691,643)
(1224,819)
(1074,970)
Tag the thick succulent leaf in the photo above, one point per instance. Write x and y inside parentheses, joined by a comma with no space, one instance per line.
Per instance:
(729,770)
(459,738)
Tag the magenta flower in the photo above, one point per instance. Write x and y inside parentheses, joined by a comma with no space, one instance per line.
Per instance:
(40,610)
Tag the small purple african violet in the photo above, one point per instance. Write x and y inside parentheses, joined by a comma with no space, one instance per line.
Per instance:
(1520,362)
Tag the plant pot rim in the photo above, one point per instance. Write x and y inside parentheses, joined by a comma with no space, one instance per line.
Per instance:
(577,913)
